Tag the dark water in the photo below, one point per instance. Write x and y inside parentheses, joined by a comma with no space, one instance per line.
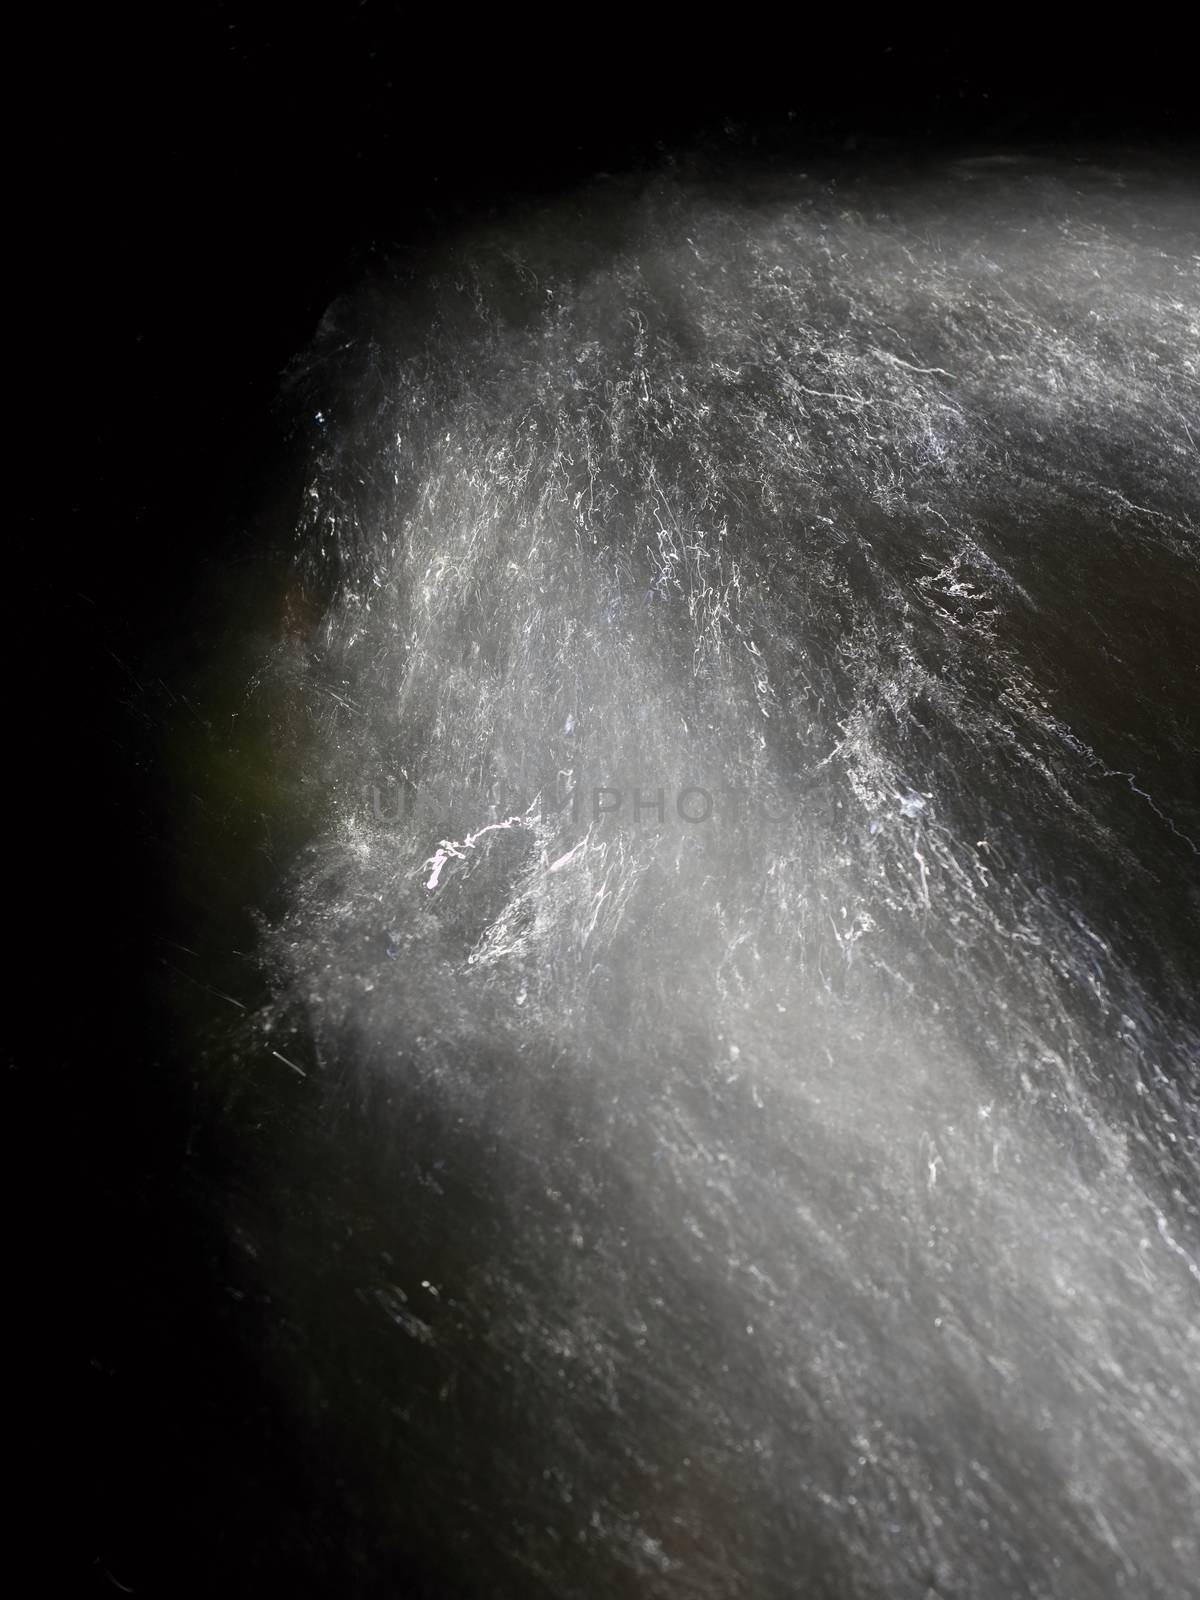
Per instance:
(794,1192)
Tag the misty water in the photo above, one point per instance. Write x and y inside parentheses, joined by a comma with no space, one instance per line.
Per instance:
(704,792)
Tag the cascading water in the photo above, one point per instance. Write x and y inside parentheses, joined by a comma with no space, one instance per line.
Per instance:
(736,694)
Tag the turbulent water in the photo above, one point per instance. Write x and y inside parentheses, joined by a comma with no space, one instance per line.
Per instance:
(736,677)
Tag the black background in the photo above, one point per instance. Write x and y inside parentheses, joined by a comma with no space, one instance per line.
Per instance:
(200,183)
